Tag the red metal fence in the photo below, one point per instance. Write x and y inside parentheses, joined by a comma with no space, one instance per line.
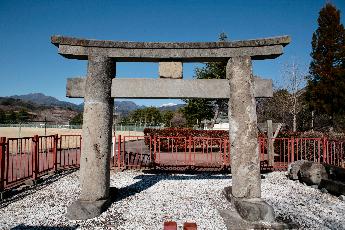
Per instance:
(146,151)
(28,158)
(287,150)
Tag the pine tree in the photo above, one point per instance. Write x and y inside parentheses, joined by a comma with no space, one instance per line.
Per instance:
(326,85)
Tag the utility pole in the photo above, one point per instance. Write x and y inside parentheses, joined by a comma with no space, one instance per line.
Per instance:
(45,126)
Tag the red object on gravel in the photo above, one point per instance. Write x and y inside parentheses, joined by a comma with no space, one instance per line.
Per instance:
(170,225)
(189,226)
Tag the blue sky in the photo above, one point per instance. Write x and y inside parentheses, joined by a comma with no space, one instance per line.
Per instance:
(30,63)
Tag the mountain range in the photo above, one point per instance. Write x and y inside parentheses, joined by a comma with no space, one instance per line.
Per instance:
(122,107)
(41,99)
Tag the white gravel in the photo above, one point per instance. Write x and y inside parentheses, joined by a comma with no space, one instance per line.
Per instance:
(147,200)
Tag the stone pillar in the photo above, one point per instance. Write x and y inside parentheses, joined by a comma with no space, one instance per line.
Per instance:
(96,145)
(245,165)
(245,192)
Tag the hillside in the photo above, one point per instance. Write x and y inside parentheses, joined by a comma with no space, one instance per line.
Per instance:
(41,99)
(171,107)
(14,110)
(39,106)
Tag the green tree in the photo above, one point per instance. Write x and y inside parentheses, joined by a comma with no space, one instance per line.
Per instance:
(178,120)
(11,117)
(197,110)
(77,120)
(125,120)
(2,117)
(200,109)
(326,84)
(23,115)
(148,116)
(166,117)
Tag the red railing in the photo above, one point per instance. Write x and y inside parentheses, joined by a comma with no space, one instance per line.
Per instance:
(69,147)
(29,158)
(148,151)
(132,152)
(18,160)
(215,152)
(191,151)
(287,150)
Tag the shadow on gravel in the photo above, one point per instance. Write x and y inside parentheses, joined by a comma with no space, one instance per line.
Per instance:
(27,227)
(148,180)
(21,192)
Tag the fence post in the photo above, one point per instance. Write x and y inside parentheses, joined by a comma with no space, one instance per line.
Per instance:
(190,149)
(55,144)
(2,162)
(151,156)
(80,139)
(154,148)
(35,157)
(292,150)
(119,152)
(324,152)
(225,153)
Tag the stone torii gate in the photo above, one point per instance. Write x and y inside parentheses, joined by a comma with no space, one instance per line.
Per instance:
(100,87)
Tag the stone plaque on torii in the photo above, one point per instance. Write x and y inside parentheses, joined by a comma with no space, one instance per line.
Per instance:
(100,87)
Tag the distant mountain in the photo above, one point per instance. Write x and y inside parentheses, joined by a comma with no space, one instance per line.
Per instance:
(36,100)
(125,107)
(171,107)
(10,108)
(41,99)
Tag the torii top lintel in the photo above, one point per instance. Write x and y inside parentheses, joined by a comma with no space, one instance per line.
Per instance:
(258,49)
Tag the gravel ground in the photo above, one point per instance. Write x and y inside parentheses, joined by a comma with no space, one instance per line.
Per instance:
(145,201)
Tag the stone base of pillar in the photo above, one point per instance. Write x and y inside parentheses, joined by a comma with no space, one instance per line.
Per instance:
(253,209)
(250,213)
(83,210)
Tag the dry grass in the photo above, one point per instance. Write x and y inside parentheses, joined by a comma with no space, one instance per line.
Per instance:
(13,132)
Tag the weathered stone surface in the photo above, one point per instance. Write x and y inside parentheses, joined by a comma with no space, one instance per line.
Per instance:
(335,173)
(97,125)
(63,40)
(333,187)
(172,70)
(181,51)
(183,55)
(253,209)
(312,173)
(245,164)
(169,88)
(83,210)
(293,169)
(323,190)
(233,220)
(270,143)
